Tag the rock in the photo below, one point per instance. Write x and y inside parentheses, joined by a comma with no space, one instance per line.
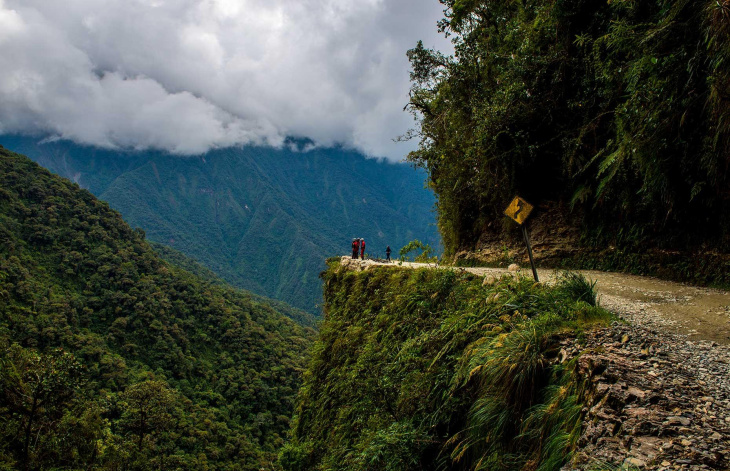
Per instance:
(677,421)
(635,393)
(635,462)
(513,268)
(649,401)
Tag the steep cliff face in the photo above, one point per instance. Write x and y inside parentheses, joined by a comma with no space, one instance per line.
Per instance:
(426,368)
(436,369)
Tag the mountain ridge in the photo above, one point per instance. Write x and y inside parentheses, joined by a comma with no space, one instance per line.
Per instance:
(271,214)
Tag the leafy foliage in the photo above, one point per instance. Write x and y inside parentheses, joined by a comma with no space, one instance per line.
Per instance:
(429,369)
(179,259)
(415,245)
(113,359)
(36,391)
(616,109)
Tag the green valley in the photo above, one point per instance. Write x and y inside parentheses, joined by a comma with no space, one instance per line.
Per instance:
(262,219)
(111,358)
(180,298)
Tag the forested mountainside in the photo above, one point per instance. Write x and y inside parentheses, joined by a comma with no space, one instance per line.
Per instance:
(179,259)
(111,358)
(263,219)
(615,113)
(436,369)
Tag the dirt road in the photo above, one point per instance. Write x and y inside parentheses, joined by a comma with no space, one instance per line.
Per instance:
(665,306)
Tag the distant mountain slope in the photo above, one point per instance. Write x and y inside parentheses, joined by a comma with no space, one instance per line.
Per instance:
(158,368)
(263,219)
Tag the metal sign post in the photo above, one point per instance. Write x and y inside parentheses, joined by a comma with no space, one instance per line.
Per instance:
(519,210)
(529,251)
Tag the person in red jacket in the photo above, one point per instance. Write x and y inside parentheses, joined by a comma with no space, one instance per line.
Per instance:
(355,247)
(362,249)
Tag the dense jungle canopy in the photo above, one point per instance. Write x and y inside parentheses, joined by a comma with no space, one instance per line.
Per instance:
(616,111)
(111,358)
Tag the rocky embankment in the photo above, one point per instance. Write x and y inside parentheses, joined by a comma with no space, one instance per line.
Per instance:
(657,398)
(656,401)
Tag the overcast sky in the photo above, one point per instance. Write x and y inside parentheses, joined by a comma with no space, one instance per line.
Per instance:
(188,75)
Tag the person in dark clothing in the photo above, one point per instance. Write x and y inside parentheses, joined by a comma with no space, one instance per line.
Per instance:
(362,249)
(387,253)
(355,247)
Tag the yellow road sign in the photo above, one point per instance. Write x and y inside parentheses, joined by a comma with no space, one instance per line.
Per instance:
(518,210)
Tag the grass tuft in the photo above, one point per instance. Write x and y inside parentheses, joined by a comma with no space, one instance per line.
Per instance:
(577,287)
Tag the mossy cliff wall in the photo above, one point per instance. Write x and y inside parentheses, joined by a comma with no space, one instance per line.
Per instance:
(433,369)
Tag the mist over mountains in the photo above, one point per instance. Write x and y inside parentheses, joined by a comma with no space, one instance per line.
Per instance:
(264,219)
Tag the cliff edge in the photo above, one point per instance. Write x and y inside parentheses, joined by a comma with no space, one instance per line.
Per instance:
(431,368)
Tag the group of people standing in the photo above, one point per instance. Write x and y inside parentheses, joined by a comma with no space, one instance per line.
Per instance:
(358,246)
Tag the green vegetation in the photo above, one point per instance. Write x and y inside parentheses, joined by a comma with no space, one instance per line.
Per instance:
(111,358)
(262,219)
(431,369)
(426,254)
(179,259)
(615,110)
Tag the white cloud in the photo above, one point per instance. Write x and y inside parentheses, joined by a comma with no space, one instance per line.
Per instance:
(189,75)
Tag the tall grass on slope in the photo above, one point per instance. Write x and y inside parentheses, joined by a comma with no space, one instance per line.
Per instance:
(429,369)
(527,409)
(575,286)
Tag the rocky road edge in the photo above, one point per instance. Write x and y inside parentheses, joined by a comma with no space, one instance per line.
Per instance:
(656,401)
